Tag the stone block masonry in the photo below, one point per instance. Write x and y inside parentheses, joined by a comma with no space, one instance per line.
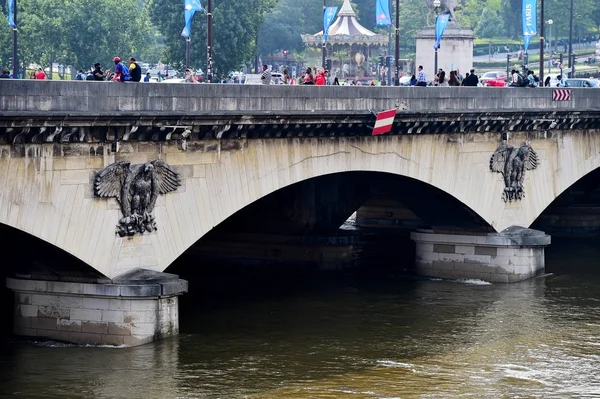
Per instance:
(134,309)
(515,254)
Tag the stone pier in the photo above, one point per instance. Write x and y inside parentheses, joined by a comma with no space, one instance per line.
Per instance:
(130,310)
(515,254)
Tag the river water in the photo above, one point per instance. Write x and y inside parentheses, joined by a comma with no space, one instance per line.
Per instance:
(349,336)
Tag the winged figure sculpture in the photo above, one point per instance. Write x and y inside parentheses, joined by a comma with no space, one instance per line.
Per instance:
(512,162)
(448,6)
(136,188)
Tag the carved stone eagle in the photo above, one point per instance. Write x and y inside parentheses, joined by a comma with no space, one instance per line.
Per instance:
(136,188)
(448,6)
(512,162)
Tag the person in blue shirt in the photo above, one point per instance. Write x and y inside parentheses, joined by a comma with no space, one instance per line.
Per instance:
(147,77)
(421,77)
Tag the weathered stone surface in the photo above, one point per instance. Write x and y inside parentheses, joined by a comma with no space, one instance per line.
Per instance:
(499,258)
(230,180)
(65,313)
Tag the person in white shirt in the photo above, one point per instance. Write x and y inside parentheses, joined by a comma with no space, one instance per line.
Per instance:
(266,75)
(561,81)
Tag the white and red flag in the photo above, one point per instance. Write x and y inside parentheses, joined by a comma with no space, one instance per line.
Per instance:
(384,122)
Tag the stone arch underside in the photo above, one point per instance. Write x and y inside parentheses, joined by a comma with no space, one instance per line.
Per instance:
(25,254)
(49,200)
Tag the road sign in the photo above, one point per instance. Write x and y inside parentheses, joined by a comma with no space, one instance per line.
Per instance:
(561,95)
(384,122)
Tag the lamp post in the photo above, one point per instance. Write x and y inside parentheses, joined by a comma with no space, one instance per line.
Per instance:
(15,52)
(436,4)
(550,22)
(324,47)
(571,60)
(209,39)
(397,49)
(187,52)
(541,43)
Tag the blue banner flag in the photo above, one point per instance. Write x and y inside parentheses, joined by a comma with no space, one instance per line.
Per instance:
(529,21)
(328,16)
(189,8)
(11,15)
(382,13)
(440,26)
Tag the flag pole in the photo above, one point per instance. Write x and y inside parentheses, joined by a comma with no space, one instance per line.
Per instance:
(15,44)
(209,60)
(187,52)
(541,74)
(397,49)
(324,47)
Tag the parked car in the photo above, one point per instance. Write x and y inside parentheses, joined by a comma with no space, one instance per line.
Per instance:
(404,80)
(575,82)
(493,79)
(254,78)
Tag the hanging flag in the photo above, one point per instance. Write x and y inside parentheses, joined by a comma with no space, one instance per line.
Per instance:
(11,15)
(328,16)
(384,122)
(529,21)
(189,9)
(440,26)
(382,13)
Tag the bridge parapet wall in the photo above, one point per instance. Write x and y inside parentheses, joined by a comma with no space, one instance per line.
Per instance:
(105,97)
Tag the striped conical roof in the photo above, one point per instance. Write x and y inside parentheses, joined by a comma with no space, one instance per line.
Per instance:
(346,29)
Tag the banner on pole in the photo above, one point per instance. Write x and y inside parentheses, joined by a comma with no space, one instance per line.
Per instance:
(189,9)
(11,15)
(382,13)
(529,21)
(440,26)
(328,16)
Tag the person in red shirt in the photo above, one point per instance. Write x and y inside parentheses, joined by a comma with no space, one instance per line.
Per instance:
(40,74)
(320,79)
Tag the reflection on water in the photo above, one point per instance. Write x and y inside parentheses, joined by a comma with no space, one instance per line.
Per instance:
(339,337)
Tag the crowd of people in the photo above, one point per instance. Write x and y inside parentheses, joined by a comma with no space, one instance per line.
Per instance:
(317,76)
(455,78)
(122,72)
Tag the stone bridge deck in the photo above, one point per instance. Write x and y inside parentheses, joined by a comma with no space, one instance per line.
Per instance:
(100,111)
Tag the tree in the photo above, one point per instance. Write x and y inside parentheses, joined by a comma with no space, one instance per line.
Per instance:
(235,28)
(79,32)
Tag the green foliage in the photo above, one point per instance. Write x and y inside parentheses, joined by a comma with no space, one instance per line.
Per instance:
(83,32)
(235,30)
(5,41)
(77,33)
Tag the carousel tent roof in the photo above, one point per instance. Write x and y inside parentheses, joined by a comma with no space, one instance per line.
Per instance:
(346,30)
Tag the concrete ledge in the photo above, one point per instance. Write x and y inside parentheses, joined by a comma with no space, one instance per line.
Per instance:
(71,96)
(137,308)
(512,236)
(137,283)
(514,254)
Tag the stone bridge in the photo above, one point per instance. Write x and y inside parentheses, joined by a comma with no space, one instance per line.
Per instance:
(233,145)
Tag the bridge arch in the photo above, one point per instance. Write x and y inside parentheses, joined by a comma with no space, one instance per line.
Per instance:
(48,191)
(24,253)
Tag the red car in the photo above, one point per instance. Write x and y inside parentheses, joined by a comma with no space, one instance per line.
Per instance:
(493,79)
